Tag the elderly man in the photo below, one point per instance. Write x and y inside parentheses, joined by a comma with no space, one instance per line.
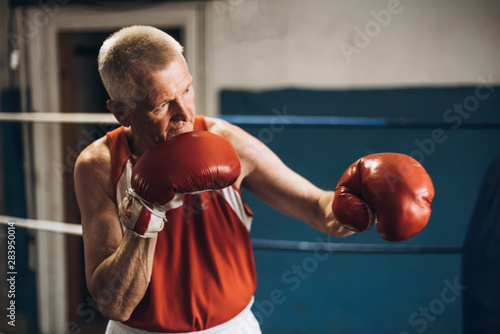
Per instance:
(166,232)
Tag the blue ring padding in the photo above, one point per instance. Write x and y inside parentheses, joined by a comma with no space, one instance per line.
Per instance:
(334,122)
(308,246)
(303,120)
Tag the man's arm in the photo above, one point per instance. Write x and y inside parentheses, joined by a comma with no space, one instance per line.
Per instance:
(266,176)
(118,266)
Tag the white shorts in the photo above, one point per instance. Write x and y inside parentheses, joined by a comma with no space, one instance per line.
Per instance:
(243,323)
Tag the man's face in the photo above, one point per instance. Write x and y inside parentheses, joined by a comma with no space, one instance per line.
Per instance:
(167,108)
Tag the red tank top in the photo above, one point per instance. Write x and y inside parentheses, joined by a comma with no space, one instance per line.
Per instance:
(203,268)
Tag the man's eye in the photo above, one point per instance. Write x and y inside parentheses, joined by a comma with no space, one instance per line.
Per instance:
(163,105)
(187,90)
(160,107)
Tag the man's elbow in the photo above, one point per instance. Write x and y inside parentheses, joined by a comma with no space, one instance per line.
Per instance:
(114,311)
(111,306)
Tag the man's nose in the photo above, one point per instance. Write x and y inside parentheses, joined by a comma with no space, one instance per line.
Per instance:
(180,109)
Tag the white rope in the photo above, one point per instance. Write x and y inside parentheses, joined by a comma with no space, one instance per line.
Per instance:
(42,225)
(39,117)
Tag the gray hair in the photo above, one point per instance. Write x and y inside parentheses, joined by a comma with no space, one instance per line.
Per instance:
(130,52)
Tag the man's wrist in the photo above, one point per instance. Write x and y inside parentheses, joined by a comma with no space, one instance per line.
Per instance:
(141,217)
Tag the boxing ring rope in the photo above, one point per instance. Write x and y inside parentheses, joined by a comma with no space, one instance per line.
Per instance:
(337,121)
(243,120)
(42,225)
(36,117)
(255,120)
(264,244)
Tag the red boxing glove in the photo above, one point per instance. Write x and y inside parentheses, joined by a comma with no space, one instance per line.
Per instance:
(191,162)
(395,186)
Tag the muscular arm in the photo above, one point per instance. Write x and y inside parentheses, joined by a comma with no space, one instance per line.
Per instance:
(266,176)
(118,266)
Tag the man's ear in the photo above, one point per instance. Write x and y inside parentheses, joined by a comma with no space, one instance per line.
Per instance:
(120,110)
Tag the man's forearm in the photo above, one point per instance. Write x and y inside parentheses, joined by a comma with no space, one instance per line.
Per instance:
(119,282)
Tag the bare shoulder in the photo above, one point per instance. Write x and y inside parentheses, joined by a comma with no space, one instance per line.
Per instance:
(223,128)
(248,147)
(94,158)
(93,168)
(96,148)
(244,143)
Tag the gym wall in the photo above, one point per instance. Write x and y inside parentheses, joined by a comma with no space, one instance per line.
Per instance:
(400,60)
